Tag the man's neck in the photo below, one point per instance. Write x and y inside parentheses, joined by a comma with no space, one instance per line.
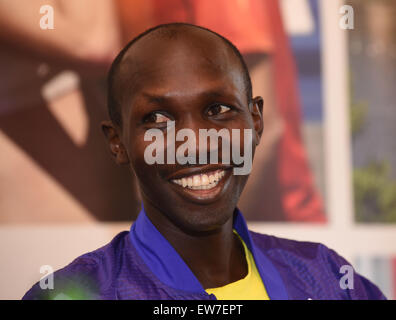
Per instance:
(216,258)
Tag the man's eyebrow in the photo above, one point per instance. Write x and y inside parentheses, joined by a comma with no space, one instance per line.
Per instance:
(154,98)
(223,92)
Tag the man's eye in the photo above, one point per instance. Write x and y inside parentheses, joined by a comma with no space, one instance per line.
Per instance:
(218,109)
(156,117)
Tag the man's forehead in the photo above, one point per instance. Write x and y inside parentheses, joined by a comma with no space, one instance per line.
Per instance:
(159,58)
(188,38)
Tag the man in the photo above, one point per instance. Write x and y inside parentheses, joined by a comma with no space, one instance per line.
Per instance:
(190,241)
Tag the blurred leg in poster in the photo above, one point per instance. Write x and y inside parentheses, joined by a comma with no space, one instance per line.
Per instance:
(52,100)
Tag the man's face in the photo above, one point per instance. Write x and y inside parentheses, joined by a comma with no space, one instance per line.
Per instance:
(197,83)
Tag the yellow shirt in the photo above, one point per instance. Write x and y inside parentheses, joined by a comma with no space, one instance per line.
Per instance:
(250,287)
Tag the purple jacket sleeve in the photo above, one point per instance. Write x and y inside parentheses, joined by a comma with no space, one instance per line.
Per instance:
(74,282)
(354,285)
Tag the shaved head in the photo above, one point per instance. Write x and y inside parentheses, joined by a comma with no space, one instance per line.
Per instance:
(139,60)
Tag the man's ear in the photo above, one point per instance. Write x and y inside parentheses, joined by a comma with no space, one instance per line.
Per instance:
(117,149)
(256,111)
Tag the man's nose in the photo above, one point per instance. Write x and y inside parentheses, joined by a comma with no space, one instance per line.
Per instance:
(194,123)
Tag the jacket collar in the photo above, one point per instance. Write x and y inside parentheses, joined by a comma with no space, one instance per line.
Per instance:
(163,260)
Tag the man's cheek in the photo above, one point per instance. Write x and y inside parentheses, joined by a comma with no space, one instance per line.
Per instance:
(137,161)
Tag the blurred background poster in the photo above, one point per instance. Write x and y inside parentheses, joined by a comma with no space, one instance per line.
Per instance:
(372,56)
(56,166)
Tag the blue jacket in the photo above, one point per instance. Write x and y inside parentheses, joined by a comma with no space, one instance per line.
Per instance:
(141,264)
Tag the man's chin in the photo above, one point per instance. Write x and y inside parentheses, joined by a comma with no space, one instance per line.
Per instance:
(203,221)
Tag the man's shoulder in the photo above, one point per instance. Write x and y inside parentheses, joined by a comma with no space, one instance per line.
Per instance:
(270,243)
(80,278)
(298,254)
(313,264)
(296,251)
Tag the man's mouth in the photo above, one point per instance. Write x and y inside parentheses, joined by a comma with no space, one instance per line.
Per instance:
(205,181)
(202,185)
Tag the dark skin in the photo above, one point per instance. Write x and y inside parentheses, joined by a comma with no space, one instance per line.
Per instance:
(195,80)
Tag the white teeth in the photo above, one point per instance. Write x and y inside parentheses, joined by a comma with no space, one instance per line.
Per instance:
(201,181)
(196,181)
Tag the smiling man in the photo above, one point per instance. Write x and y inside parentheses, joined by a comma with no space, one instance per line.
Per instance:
(189,240)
